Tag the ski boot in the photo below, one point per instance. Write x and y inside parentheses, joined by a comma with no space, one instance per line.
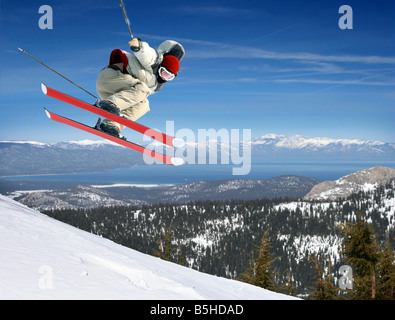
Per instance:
(108,106)
(109,129)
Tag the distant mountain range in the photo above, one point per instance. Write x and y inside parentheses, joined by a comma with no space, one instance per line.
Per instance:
(97,196)
(300,142)
(279,145)
(30,157)
(310,189)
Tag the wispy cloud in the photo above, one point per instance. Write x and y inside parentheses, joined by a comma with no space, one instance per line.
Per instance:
(213,50)
(213,11)
(217,50)
(243,52)
(292,26)
(337,82)
(301,67)
(384,80)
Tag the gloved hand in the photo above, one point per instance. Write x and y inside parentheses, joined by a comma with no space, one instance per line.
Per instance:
(135,44)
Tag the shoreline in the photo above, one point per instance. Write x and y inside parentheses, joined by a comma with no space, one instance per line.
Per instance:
(131,185)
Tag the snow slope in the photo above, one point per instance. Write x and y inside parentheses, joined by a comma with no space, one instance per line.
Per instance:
(42,258)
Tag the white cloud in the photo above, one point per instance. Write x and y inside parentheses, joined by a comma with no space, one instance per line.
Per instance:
(243,52)
(211,49)
(339,82)
(214,11)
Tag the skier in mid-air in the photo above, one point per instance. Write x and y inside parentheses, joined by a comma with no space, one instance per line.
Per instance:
(123,87)
(128,80)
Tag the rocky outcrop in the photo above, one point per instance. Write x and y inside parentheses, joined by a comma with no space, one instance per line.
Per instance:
(361,180)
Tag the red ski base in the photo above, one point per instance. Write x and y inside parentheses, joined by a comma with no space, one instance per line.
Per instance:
(163,158)
(154,134)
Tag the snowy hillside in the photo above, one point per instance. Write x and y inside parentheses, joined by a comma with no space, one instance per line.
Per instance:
(218,237)
(42,258)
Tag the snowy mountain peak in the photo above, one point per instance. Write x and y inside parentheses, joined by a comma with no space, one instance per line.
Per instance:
(88,142)
(36,143)
(272,140)
(42,258)
(84,143)
(299,142)
(271,136)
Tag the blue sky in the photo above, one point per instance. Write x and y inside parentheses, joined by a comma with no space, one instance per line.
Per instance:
(272,66)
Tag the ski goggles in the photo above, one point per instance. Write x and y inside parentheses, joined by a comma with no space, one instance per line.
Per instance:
(165,74)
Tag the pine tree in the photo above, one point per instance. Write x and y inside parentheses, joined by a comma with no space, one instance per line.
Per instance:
(385,283)
(180,255)
(288,285)
(324,288)
(164,247)
(249,275)
(290,289)
(263,269)
(260,272)
(168,249)
(360,249)
(159,253)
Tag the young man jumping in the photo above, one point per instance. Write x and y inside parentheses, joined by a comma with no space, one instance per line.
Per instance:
(125,84)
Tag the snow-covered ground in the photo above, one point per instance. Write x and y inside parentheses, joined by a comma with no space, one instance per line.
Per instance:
(42,258)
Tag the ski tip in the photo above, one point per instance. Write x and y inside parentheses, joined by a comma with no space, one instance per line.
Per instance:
(44,88)
(47,113)
(178,143)
(177,161)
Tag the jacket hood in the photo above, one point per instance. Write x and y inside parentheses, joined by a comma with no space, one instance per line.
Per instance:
(173,48)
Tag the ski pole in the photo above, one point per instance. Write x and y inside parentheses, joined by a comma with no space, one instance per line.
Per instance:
(24,51)
(125,15)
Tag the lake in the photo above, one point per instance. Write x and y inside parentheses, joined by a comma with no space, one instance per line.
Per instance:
(164,174)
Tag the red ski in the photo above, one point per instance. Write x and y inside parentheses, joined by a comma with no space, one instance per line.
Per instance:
(165,159)
(161,137)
